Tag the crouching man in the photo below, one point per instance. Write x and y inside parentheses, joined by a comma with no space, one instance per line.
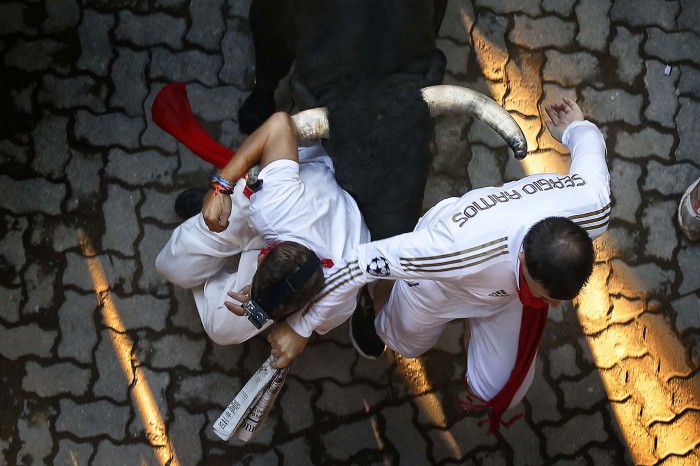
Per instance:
(290,235)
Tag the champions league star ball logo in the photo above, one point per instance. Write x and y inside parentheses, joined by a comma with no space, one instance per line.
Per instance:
(379,267)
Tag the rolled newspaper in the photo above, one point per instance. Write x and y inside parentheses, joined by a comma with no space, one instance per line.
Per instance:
(259,411)
(245,400)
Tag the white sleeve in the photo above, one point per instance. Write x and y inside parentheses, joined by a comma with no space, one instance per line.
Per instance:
(588,152)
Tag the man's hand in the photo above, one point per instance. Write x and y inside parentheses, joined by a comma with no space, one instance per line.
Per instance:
(561,115)
(286,344)
(216,209)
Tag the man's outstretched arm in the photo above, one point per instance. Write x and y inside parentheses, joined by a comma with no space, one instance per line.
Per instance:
(276,139)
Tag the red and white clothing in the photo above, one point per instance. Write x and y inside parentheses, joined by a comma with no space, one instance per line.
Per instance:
(461,261)
(298,202)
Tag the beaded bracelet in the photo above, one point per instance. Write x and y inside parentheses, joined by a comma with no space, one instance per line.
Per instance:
(220,185)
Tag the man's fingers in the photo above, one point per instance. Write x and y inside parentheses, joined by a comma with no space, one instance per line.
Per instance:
(552,115)
(243,298)
(235,308)
(281,362)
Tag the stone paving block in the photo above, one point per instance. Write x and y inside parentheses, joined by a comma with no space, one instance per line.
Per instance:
(529,7)
(192,168)
(625,310)
(617,242)
(33,429)
(408,442)
(153,136)
(610,105)
(119,272)
(96,49)
(150,30)
(440,187)
(645,13)
(11,152)
(153,384)
(624,186)
(542,397)
(264,435)
(92,419)
(216,104)
(646,143)
(39,281)
(457,22)
(689,262)
(72,92)
(490,46)
(77,327)
(484,167)
(562,362)
(166,353)
(182,433)
(479,133)
(451,152)
(532,126)
(297,451)
(184,314)
(13,19)
(31,195)
(570,69)
(430,408)
(12,253)
(56,379)
(594,301)
(689,82)
(663,94)
(10,297)
(83,172)
(669,180)
(141,311)
(454,443)
(584,393)
(574,434)
(542,32)
(594,24)
(34,55)
(112,381)
(637,439)
(51,151)
(617,343)
(135,453)
(687,123)
(22,97)
(641,280)
(186,66)
(523,74)
(625,47)
(658,219)
(457,56)
(671,47)
(153,167)
(346,440)
(450,340)
(60,15)
(689,14)
(129,78)
(560,7)
(160,206)
(238,55)
(514,169)
(673,439)
(207,24)
(297,412)
(519,434)
(207,389)
(687,317)
(72,454)
(108,129)
(325,360)
(343,401)
(121,223)
(26,340)
(153,240)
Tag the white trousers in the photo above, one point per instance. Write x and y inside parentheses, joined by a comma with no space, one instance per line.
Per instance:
(197,258)
(410,329)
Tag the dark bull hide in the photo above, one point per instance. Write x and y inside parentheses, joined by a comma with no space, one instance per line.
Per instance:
(366,61)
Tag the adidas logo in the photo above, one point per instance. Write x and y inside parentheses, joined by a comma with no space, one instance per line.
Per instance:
(498,294)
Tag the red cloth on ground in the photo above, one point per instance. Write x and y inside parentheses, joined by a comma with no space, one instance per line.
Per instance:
(171,111)
(531,328)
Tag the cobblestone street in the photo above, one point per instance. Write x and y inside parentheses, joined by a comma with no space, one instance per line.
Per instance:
(103,362)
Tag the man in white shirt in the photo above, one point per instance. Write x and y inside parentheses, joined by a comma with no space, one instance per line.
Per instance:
(299,212)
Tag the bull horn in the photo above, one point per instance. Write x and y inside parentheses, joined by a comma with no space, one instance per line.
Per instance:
(446,99)
(312,124)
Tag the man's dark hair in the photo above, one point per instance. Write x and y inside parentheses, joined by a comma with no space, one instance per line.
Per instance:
(559,255)
(277,265)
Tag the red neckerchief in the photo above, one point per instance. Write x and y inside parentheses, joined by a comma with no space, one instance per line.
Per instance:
(534,318)
(172,112)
